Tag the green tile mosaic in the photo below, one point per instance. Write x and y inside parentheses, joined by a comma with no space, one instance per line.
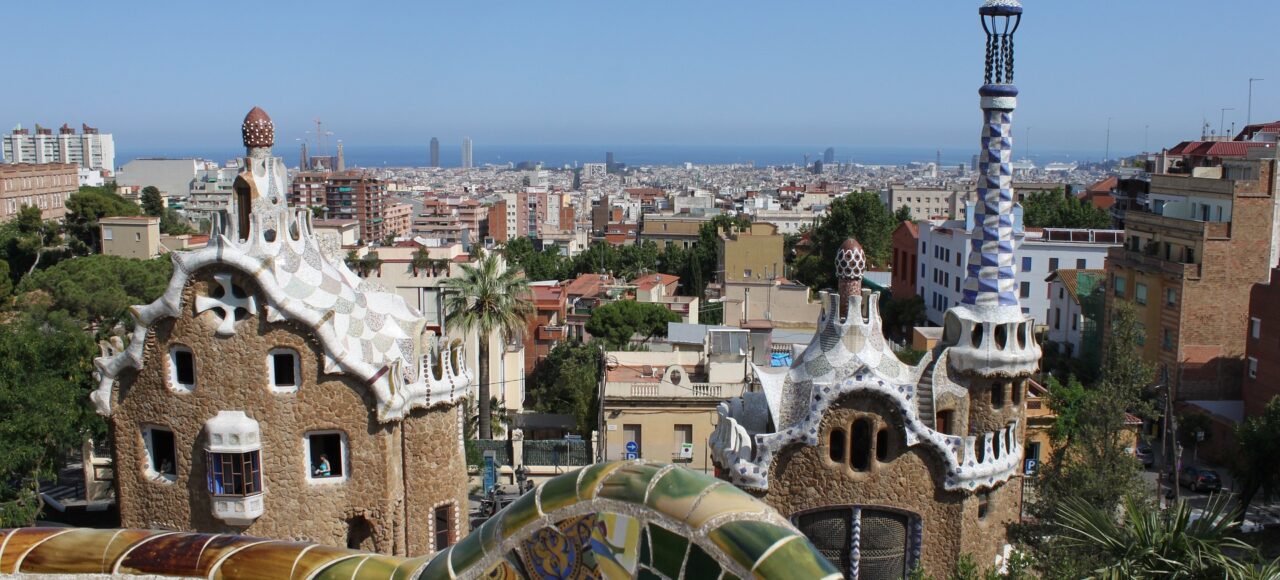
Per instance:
(592,476)
(677,491)
(629,483)
(438,567)
(747,541)
(345,568)
(647,574)
(795,559)
(488,532)
(723,499)
(408,568)
(466,553)
(701,565)
(668,550)
(558,493)
(519,514)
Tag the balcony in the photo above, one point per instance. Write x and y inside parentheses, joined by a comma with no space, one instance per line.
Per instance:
(1155,223)
(663,390)
(1127,258)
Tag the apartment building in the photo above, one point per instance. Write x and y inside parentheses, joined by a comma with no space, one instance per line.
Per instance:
(755,253)
(451,220)
(399,220)
(925,203)
(906,247)
(91,149)
(661,406)
(548,325)
(1071,315)
(1208,233)
(1262,346)
(943,250)
(46,186)
(670,230)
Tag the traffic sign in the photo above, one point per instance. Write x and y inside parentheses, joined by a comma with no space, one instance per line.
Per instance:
(632,447)
(631,455)
(1031,466)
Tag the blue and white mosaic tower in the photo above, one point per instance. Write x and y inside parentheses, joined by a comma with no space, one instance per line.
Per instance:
(990,334)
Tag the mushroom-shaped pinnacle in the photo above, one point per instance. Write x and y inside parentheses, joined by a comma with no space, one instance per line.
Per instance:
(257,130)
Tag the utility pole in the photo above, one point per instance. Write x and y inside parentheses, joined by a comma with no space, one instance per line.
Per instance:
(1146,139)
(1249,119)
(1222,128)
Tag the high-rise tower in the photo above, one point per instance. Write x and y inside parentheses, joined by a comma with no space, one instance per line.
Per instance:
(466,153)
(435,152)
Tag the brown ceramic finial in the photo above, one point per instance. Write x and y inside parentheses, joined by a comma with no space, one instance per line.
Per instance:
(257,130)
(851,263)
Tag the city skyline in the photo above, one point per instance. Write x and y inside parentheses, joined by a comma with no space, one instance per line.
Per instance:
(647,75)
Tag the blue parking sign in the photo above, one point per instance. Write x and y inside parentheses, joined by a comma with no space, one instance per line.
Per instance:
(632,448)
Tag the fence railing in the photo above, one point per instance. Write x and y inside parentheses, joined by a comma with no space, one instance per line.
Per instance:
(557,452)
(476,449)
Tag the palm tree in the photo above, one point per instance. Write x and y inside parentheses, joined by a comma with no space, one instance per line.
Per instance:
(1147,543)
(486,298)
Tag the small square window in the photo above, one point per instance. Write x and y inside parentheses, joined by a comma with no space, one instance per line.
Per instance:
(1024,290)
(1120,286)
(182,369)
(1253,368)
(1080,264)
(283,370)
(1026,264)
(1053,264)
(326,456)
(1140,293)
(1255,327)
(1170,297)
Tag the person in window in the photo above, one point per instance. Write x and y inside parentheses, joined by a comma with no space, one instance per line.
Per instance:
(323,469)
(166,467)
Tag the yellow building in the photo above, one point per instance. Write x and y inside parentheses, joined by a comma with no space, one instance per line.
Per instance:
(753,254)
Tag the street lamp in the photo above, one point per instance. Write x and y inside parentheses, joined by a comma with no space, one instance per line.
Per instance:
(1249,119)
(1222,130)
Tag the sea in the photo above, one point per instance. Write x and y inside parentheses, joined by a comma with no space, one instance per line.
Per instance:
(558,156)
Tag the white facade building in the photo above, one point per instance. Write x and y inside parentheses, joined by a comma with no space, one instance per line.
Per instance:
(944,251)
(1066,323)
(89,149)
(173,177)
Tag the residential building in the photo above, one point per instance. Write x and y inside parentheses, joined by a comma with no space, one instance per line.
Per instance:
(130,236)
(91,149)
(284,415)
(1075,309)
(1262,346)
(661,289)
(451,220)
(1208,235)
(785,304)
(210,192)
(354,194)
(308,189)
(906,256)
(663,404)
(751,254)
(173,177)
(46,186)
(925,203)
(945,246)
(788,221)
(547,327)
(665,231)
(398,220)
(886,467)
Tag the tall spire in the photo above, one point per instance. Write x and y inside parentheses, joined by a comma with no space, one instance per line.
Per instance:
(991,279)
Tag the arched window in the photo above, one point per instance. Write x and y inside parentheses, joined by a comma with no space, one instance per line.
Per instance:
(836,445)
(997,395)
(243,205)
(882,445)
(860,446)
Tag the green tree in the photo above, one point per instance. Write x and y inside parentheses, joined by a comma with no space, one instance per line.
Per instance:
(900,315)
(172,224)
(1255,466)
(99,289)
(566,382)
(903,214)
(85,208)
(6,285)
(152,201)
(46,375)
(26,239)
(616,322)
(1146,543)
(487,298)
(1055,209)
(859,215)
(1090,461)
(363,265)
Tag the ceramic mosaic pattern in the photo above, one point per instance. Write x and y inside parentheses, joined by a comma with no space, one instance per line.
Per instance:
(611,520)
(846,357)
(369,333)
(991,278)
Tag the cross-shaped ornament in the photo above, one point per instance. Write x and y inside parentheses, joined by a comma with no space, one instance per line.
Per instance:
(225,301)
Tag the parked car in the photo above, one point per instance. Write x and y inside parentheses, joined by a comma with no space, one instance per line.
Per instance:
(1197,479)
(1145,455)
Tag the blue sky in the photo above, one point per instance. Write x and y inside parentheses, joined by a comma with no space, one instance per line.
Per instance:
(696,72)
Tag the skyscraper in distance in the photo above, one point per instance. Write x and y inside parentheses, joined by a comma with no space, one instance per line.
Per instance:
(466,153)
(829,156)
(435,152)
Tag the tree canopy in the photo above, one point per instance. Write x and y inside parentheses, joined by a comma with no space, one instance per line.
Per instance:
(86,207)
(858,215)
(1255,467)
(152,201)
(1055,209)
(46,375)
(99,289)
(566,382)
(616,322)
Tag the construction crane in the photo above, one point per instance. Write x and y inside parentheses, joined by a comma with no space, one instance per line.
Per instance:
(320,134)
